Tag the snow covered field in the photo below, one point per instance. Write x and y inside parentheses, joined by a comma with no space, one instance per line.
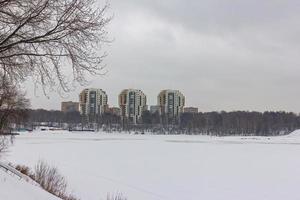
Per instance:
(149,167)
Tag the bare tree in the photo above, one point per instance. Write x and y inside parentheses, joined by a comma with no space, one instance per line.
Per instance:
(39,37)
(13,104)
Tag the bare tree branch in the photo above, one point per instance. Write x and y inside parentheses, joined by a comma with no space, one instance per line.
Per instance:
(38,38)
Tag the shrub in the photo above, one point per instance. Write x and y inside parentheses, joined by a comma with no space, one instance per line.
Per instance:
(50,179)
(117,196)
(5,141)
(24,170)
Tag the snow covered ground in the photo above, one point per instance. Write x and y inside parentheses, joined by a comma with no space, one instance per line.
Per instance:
(150,167)
(13,187)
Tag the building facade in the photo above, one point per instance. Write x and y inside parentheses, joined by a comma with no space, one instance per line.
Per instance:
(171,103)
(190,110)
(69,106)
(132,103)
(93,102)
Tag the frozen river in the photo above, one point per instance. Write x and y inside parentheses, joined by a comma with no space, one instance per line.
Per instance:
(149,167)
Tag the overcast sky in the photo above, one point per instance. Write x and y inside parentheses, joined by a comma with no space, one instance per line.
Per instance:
(222,54)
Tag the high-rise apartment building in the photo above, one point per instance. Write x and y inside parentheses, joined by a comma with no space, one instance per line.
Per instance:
(132,104)
(92,102)
(171,103)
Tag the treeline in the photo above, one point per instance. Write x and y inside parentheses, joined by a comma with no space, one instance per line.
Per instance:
(208,123)
(226,123)
(240,123)
(71,118)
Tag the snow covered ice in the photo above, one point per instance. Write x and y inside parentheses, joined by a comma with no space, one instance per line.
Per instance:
(166,167)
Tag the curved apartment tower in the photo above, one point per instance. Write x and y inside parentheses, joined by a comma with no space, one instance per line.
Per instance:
(171,103)
(132,103)
(92,102)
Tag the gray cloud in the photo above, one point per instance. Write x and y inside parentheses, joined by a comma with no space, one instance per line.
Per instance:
(223,55)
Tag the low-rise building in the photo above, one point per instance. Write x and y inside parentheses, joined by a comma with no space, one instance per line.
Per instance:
(190,110)
(154,109)
(115,111)
(69,106)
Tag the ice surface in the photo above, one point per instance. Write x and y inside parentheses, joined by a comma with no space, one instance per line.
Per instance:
(152,167)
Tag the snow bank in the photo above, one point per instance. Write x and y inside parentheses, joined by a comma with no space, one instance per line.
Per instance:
(17,187)
(295,133)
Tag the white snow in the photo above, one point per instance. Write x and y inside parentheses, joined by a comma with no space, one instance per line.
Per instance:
(151,167)
(295,134)
(14,186)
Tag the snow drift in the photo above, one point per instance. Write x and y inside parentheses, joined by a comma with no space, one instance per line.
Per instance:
(15,186)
